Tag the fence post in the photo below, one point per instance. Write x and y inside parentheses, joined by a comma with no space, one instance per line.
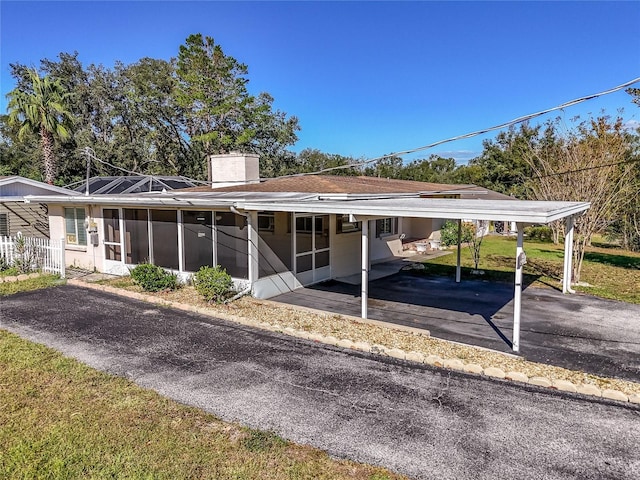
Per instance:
(63,260)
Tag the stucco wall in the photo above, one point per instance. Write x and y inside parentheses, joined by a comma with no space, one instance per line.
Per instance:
(385,246)
(345,251)
(80,256)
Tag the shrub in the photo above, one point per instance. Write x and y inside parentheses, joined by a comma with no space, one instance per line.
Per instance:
(4,264)
(153,278)
(213,283)
(449,233)
(541,233)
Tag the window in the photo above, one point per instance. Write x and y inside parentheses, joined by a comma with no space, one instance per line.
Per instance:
(266,222)
(386,226)
(4,224)
(343,225)
(74,226)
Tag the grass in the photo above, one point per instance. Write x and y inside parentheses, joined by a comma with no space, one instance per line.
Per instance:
(610,272)
(60,419)
(11,271)
(43,281)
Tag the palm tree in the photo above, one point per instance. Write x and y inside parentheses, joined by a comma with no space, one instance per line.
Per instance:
(42,110)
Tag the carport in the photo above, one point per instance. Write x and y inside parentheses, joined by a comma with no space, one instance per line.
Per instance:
(522,213)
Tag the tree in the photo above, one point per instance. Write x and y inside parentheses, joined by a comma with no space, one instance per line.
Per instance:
(313,160)
(387,167)
(435,169)
(635,93)
(41,107)
(220,114)
(588,163)
(502,166)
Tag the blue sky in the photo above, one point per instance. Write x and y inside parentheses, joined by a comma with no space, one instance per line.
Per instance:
(366,78)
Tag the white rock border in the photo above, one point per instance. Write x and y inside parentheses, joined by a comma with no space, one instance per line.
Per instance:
(417,357)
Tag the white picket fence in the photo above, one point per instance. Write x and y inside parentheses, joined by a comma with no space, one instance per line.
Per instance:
(39,254)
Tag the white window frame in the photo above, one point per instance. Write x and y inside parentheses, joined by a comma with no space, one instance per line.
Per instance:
(386,227)
(74,238)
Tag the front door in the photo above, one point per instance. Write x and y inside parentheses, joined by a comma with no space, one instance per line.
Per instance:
(312,247)
(112,225)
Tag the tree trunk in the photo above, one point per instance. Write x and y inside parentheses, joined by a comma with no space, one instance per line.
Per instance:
(46,138)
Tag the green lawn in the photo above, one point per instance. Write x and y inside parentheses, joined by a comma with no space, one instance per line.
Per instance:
(610,272)
(60,419)
(44,281)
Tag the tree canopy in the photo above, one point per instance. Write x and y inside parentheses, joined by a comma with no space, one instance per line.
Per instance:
(156,116)
(40,107)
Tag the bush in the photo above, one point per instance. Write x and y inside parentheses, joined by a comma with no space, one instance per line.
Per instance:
(4,264)
(449,233)
(213,283)
(153,278)
(541,233)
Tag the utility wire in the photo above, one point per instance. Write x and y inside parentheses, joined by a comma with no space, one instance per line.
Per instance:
(521,119)
(586,169)
(90,153)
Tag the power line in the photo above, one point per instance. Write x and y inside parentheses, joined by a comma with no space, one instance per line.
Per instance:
(90,153)
(515,121)
(586,169)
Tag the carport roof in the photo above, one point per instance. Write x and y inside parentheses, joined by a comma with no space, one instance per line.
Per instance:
(448,208)
(359,206)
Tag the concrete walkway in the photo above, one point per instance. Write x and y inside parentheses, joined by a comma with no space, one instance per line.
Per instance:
(579,332)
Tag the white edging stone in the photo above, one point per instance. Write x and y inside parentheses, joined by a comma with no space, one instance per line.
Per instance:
(474,368)
(635,398)
(453,364)
(415,357)
(517,377)
(494,372)
(344,343)
(540,382)
(589,389)
(435,360)
(565,386)
(362,346)
(614,395)
(396,353)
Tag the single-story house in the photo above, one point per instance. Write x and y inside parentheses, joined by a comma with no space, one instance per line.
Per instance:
(31,219)
(280,234)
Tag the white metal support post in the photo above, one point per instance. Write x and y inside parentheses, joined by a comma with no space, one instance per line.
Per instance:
(567,275)
(252,248)
(365,267)
(517,297)
(458,252)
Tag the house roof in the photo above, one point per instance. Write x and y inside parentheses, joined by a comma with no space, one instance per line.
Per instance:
(354,185)
(360,197)
(14,187)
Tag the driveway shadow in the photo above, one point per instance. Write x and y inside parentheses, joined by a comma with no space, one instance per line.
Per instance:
(415,299)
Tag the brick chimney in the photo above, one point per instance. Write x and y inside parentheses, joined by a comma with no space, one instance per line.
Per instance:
(229,169)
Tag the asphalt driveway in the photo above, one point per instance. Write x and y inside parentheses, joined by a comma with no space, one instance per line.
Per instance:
(579,332)
(424,422)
